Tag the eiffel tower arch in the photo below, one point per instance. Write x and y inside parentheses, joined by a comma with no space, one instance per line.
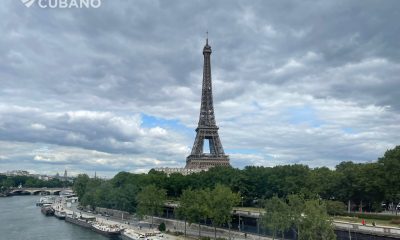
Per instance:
(207,129)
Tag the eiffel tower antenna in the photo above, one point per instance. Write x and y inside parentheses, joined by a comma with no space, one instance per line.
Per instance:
(207,130)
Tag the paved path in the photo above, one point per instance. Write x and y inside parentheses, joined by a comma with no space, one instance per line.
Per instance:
(206,231)
(368,229)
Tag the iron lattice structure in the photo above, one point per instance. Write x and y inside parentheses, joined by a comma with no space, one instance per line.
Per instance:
(207,128)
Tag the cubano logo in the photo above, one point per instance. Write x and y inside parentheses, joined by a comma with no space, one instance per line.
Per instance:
(28,3)
(63,3)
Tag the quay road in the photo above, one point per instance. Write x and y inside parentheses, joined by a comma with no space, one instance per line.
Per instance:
(206,231)
(173,226)
(343,230)
(123,223)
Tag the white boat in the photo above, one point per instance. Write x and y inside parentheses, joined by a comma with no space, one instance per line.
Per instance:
(59,211)
(106,230)
(45,201)
(66,193)
(129,234)
(60,214)
(85,222)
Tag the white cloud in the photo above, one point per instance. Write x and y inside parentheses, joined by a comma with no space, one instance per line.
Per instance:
(37,126)
(286,89)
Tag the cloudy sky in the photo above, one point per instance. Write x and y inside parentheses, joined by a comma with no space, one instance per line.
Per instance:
(118,88)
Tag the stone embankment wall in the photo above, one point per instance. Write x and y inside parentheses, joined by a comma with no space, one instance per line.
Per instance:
(368,229)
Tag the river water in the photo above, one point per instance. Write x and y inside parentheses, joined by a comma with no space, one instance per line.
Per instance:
(20,219)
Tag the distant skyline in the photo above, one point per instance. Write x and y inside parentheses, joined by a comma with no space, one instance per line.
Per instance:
(118,88)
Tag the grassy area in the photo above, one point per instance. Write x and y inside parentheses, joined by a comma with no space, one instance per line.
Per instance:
(378,222)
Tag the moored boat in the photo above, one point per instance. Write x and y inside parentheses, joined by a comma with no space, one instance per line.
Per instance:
(81,221)
(60,214)
(106,230)
(44,201)
(47,210)
(131,235)
(59,211)
(5,194)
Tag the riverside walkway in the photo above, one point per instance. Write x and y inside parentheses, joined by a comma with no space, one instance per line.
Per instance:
(132,229)
(173,226)
(384,231)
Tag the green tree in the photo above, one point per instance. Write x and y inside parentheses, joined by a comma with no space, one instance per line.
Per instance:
(322,182)
(310,219)
(220,202)
(80,184)
(335,207)
(192,206)
(150,201)
(95,192)
(390,165)
(276,217)
(315,223)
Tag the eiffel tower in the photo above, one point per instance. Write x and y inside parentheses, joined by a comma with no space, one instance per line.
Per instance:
(207,130)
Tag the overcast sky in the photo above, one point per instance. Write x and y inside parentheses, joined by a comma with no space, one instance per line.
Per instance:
(118,88)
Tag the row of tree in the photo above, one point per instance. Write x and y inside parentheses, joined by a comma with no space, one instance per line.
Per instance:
(365,184)
(213,204)
(7,182)
(194,205)
(307,218)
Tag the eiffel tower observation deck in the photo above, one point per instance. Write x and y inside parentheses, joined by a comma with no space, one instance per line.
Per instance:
(207,130)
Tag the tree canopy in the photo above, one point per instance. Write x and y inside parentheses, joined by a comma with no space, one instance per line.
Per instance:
(366,184)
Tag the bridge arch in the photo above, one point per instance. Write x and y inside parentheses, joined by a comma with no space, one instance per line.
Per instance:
(37,192)
(57,192)
(20,192)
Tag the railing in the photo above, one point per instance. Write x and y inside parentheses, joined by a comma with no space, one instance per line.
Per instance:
(368,229)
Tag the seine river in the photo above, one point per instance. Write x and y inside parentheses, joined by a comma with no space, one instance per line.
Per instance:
(20,219)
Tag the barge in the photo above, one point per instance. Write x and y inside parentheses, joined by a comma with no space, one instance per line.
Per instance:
(107,230)
(47,210)
(80,221)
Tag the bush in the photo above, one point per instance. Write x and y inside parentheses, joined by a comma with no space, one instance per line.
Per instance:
(162,227)
(335,207)
(395,221)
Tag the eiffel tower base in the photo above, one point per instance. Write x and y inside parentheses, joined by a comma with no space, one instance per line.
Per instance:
(206,161)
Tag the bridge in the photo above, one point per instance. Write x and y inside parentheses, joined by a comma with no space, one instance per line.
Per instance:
(38,191)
